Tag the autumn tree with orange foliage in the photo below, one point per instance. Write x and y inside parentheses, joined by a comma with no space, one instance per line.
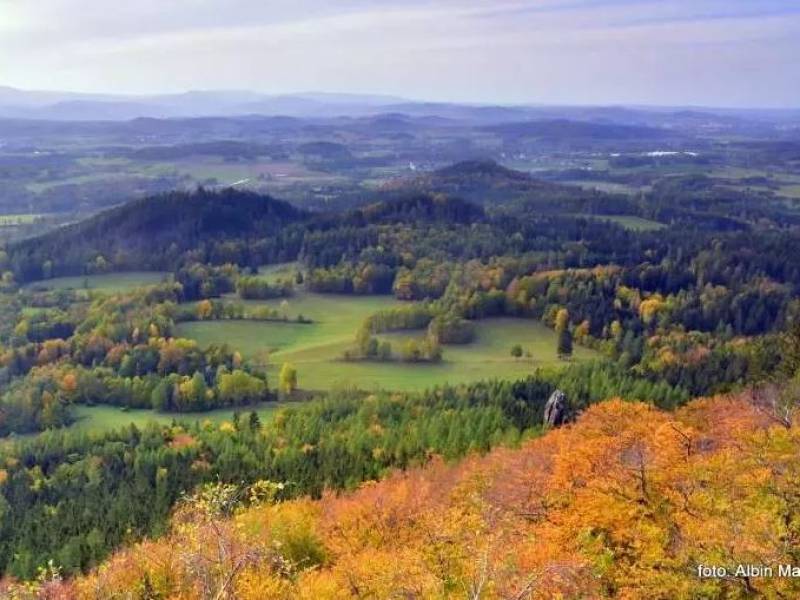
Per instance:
(625,503)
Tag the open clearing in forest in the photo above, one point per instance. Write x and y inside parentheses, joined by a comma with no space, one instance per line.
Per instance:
(109,283)
(13,220)
(633,223)
(100,417)
(316,348)
(336,318)
(104,418)
(273,273)
(629,222)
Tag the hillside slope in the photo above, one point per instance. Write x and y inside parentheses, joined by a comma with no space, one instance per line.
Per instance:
(492,185)
(626,502)
(153,231)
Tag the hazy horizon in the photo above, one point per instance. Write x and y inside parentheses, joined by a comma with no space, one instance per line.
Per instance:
(708,53)
(387,97)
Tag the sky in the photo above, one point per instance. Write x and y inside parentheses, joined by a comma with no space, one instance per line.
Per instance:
(739,53)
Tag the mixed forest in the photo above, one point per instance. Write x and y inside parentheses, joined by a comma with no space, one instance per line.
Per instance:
(668,319)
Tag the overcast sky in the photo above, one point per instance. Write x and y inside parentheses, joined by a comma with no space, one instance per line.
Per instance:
(665,52)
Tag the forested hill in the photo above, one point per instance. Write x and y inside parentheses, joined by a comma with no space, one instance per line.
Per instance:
(420,207)
(167,231)
(152,232)
(492,185)
(470,176)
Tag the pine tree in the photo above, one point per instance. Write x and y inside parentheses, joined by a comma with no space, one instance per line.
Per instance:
(254,421)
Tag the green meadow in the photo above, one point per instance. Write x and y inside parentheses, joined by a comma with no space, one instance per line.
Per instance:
(103,418)
(274,272)
(634,223)
(108,283)
(316,348)
(21,219)
(629,222)
(336,318)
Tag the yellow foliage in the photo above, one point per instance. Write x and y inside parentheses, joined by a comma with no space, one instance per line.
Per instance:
(227,427)
(254,584)
(651,306)
(562,319)
(625,502)
(204,309)
(582,330)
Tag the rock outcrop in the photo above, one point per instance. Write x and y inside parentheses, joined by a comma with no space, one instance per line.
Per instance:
(555,411)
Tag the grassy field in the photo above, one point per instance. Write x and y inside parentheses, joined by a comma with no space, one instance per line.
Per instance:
(109,283)
(250,173)
(37,187)
(628,222)
(634,223)
(606,186)
(21,219)
(272,273)
(790,191)
(103,418)
(783,183)
(335,321)
(316,349)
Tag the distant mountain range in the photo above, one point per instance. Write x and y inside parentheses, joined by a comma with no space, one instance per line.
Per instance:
(71,106)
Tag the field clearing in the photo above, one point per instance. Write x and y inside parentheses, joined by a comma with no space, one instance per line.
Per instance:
(635,223)
(336,318)
(100,418)
(21,219)
(790,191)
(226,173)
(783,183)
(109,283)
(316,349)
(733,172)
(37,187)
(606,186)
(97,162)
(628,222)
(104,418)
(274,272)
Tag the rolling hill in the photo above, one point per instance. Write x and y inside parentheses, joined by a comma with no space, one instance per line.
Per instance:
(489,184)
(152,232)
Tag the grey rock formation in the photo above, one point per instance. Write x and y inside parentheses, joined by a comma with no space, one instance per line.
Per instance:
(555,411)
